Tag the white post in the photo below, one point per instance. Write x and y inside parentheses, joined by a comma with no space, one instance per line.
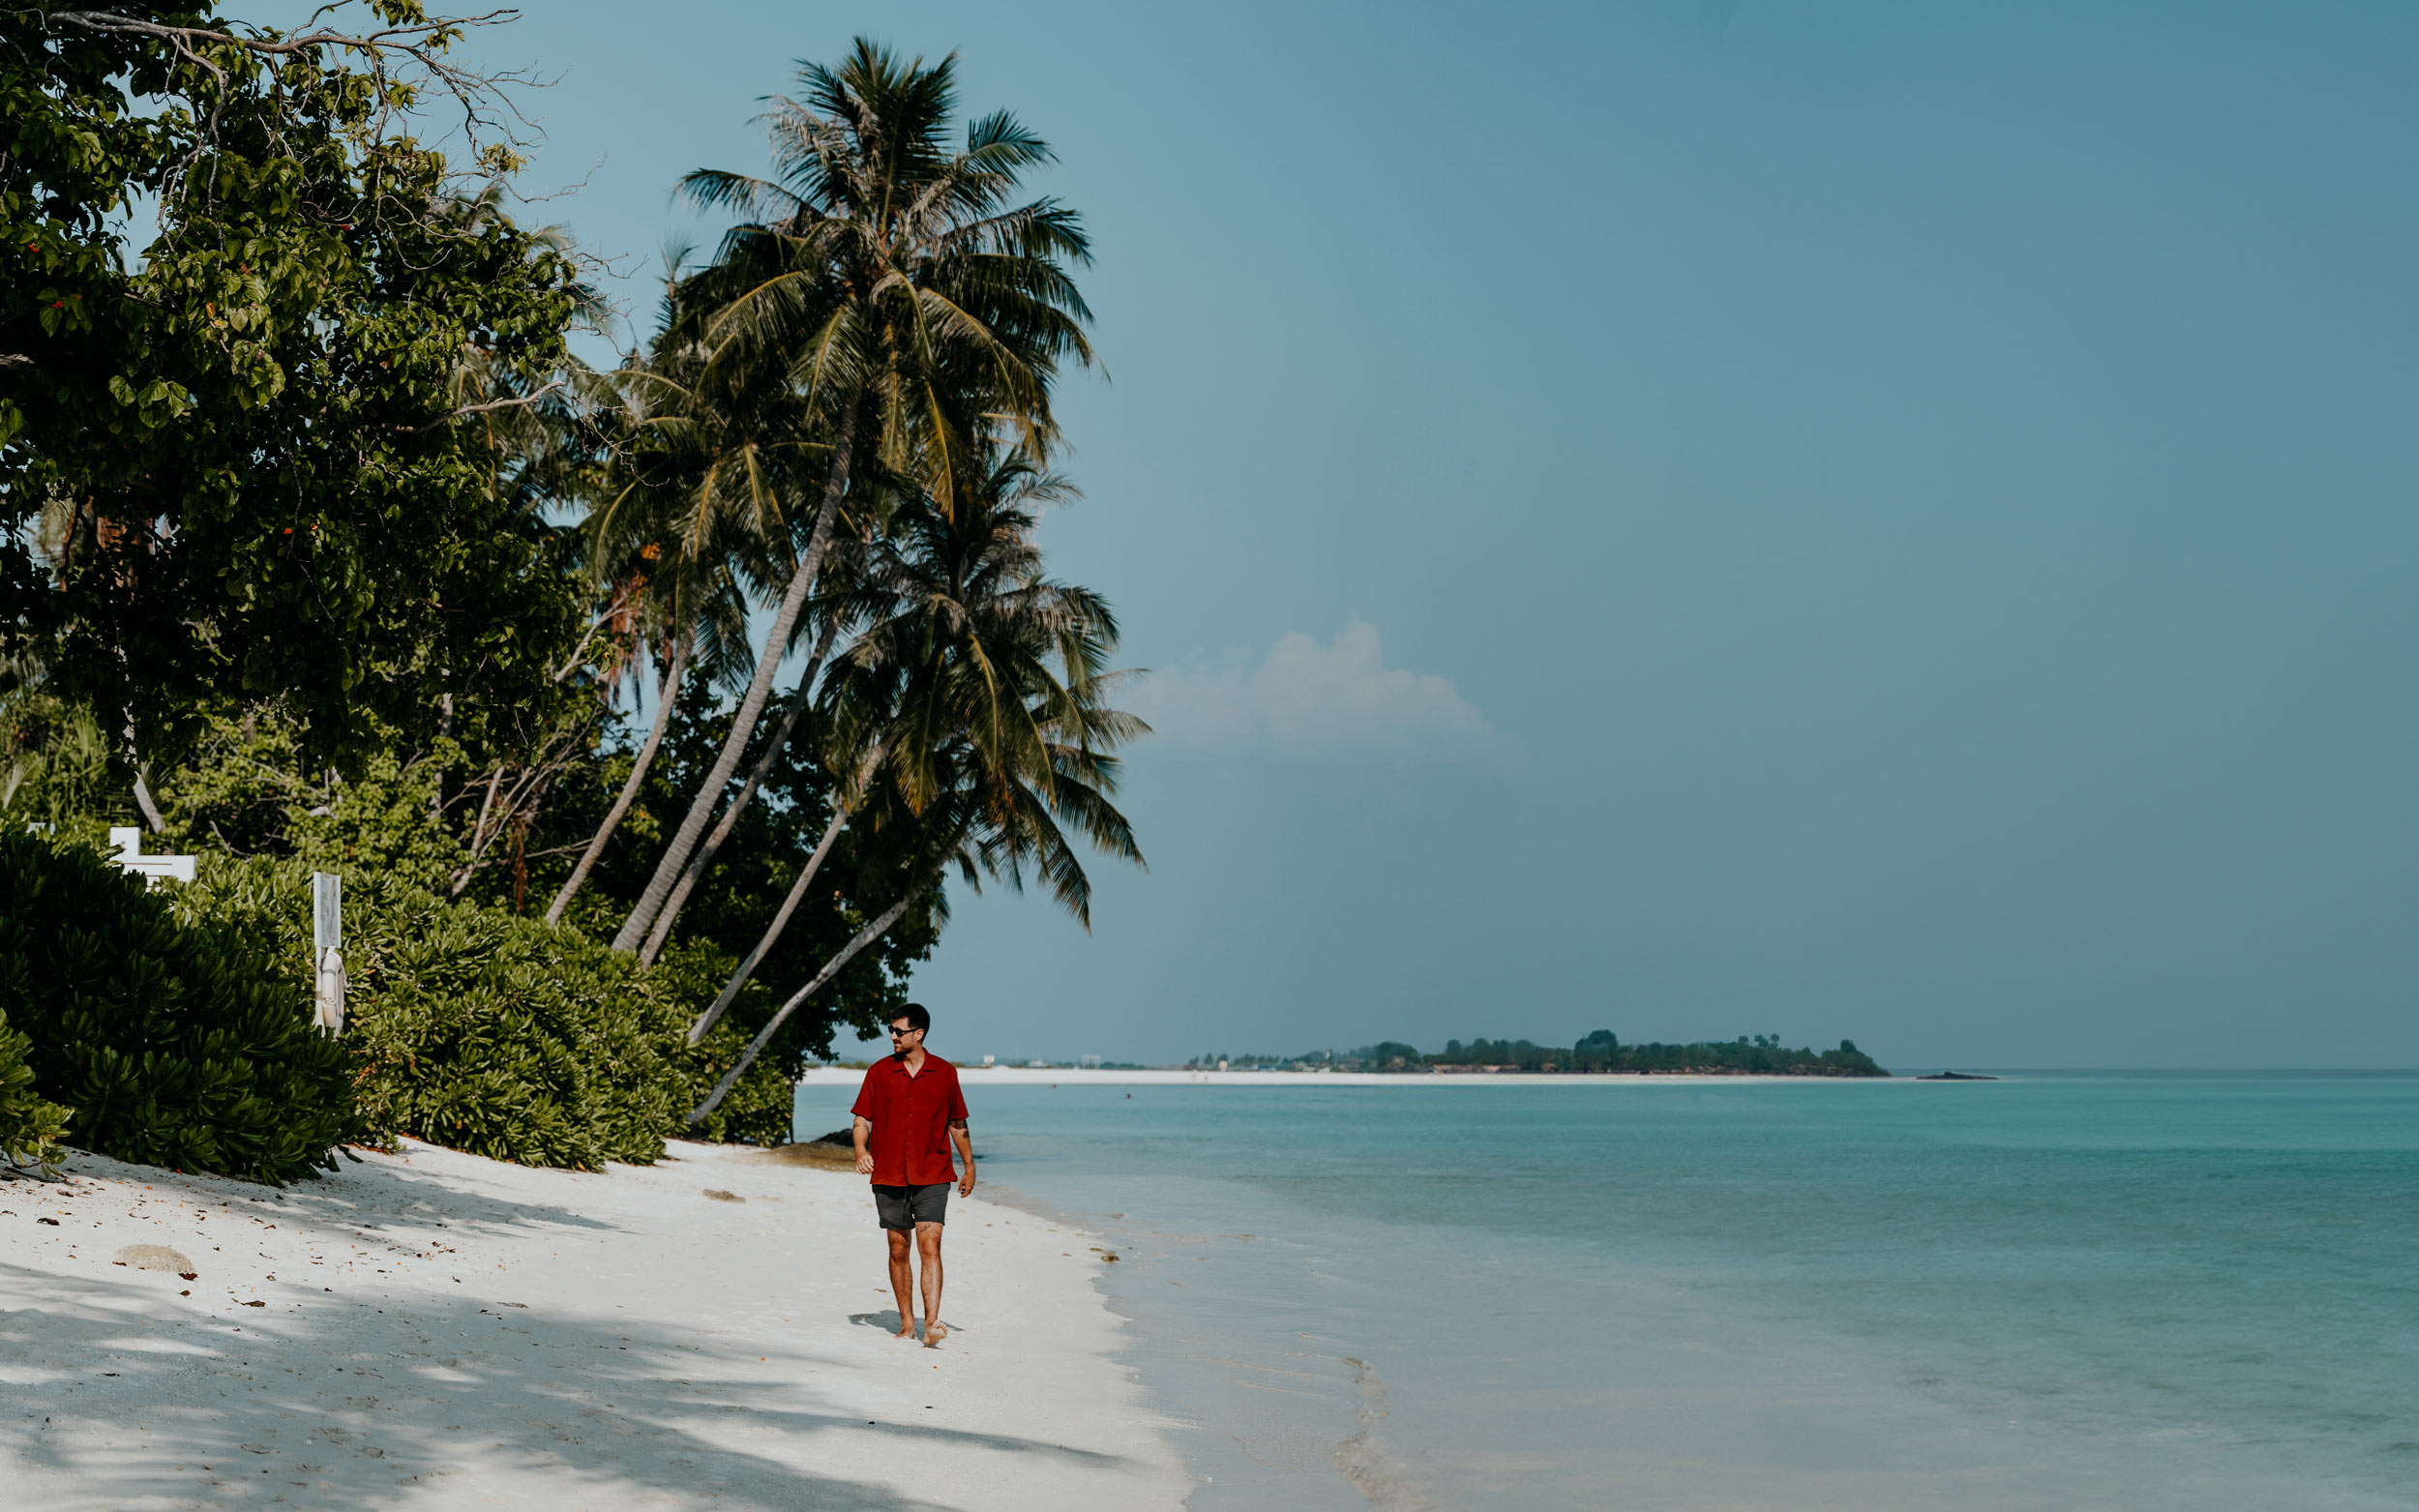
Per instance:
(327,938)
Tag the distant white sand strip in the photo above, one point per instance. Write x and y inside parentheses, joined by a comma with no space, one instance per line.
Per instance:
(1029,1075)
(435,1331)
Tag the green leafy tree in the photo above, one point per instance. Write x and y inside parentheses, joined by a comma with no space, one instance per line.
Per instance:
(283,474)
(55,763)
(1749,1055)
(265,444)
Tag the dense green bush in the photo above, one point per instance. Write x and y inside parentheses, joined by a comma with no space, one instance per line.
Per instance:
(172,1042)
(29,1127)
(505,1036)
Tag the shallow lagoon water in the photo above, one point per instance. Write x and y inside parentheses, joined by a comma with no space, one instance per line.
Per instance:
(2134,1291)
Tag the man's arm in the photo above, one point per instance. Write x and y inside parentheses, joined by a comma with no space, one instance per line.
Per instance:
(864,1157)
(966,1152)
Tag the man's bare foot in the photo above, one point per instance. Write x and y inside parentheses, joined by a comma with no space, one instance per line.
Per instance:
(935,1332)
(907,1329)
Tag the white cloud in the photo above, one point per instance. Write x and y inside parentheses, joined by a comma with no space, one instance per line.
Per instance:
(1333,704)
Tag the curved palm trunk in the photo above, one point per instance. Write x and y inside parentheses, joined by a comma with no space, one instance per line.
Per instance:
(831,968)
(142,769)
(707,1020)
(142,801)
(751,709)
(663,699)
(661,930)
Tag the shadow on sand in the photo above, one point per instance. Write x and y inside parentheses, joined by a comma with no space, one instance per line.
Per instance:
(341,1405)
(327,1401)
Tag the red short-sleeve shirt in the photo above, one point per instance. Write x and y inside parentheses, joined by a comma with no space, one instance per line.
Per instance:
(911,1115)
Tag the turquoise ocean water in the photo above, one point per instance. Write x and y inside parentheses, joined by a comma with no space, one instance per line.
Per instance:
(2055,1290)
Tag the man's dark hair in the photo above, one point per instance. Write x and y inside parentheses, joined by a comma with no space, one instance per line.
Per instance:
(914,1013)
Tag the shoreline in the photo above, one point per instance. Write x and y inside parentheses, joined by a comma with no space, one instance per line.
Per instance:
(1032,1076)
(433,1329)
(1346,1466)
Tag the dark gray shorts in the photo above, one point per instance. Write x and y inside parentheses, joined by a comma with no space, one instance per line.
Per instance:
(903,1208)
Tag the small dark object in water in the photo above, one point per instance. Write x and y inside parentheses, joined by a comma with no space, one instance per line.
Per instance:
(1955,1076)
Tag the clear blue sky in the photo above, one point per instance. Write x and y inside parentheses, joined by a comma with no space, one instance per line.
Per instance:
(1883,520)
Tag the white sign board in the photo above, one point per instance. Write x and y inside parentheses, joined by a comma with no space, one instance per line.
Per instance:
(128,844)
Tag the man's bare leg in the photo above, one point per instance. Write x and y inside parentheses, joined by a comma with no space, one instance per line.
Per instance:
(903,1281)
(928,1250)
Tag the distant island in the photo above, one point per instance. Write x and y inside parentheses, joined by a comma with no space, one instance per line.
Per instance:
(1599,1054)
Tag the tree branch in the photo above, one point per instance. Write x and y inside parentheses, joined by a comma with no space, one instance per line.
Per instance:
(430,34)
(424,41)
(515,403)
(481,97)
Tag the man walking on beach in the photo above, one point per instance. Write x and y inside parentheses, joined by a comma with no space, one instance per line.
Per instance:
(908,1114)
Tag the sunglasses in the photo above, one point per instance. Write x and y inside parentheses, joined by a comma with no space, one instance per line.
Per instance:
(900,1034)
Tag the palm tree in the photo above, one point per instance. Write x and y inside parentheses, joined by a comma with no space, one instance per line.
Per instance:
(890,285)
(663,531)
(702,469)
(831,610)
(971,650)
(989,823)
(658,618)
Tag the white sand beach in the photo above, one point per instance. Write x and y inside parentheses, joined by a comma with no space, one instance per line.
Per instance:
(435,1330)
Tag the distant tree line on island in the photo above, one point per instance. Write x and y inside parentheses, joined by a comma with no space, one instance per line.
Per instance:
(1601,1052)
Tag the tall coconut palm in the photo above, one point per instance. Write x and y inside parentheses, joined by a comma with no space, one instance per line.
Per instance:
(659,618)
(989,823)
(709,469)
(665,526)
(832,610)
(894,286)
(971,653)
